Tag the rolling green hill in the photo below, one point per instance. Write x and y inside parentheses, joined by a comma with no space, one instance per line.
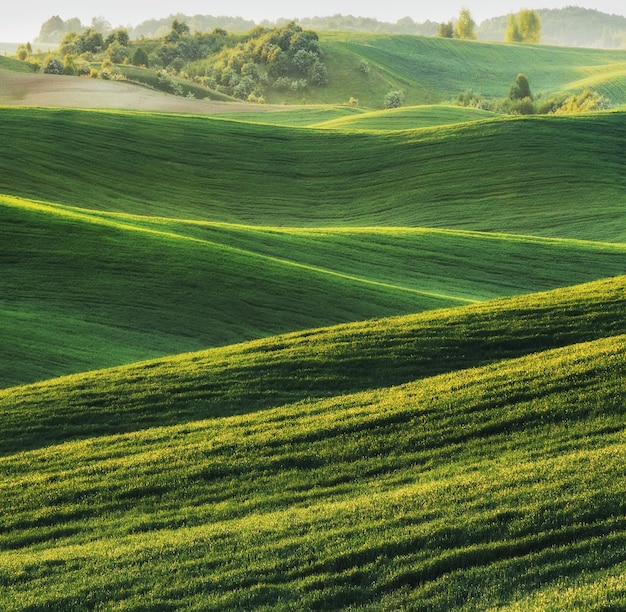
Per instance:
(312,363)
(417,496)
(456,442)
(436,70)
(226,244)
(548,176)
(85,290)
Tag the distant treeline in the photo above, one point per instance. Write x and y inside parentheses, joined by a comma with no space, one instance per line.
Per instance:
(571,26)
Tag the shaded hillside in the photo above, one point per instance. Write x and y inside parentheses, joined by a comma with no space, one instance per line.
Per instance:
(309,364)
(551,176)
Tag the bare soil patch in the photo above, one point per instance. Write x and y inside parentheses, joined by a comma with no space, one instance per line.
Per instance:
(44,90)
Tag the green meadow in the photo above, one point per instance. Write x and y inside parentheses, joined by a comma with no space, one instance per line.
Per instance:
(319,356)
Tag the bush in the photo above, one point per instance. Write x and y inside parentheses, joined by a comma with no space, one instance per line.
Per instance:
(393,99)
(318,74)
(117,52)
(53,65)
(140,58)
(521,88)
(69,66)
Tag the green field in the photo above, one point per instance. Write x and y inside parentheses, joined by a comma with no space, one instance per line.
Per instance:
(319,357)
(435,70)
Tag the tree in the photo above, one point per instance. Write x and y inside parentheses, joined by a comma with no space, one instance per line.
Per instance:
(393,99)
(465,27)
(523,27)
(117,52)
(91,40)
(140,58)
(446,30)
(69,66)
(121,36)
(512,33)
(53,65)
(180,27)
(529,26)
(100,24)
(318,75)
(521,88)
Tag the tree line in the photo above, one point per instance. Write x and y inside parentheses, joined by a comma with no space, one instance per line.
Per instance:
(524,26)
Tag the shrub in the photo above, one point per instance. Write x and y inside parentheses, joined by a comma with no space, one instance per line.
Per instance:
(69,66)
(53,65)
(318,74)
(393,99)
(521,88)
(446,30)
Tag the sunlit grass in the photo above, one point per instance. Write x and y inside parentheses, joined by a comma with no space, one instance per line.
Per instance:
(310,364)
(91,289)
(422,496)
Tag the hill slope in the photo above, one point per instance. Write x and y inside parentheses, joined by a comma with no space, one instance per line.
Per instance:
(309,227)
(361,67)
(420,496)
(314,363)
(85,290)
(436,70)
(550,176)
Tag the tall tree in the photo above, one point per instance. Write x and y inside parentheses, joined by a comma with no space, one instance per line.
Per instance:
(529,26)
(446,30)
(512,33)
(465,27)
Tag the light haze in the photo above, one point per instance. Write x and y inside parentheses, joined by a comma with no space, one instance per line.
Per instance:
(22,21)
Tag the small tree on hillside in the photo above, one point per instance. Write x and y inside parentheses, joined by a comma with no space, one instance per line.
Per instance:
(140,57)
(523,27)
(465,27)
(512,33)
(393,99)
(53,65)
(521,88)
(446,30)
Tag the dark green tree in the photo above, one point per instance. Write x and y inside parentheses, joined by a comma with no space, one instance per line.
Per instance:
(140,57)
(393,99)
(446,30)
(521,88)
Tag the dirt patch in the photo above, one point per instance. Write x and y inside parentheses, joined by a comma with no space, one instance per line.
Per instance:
(46,90)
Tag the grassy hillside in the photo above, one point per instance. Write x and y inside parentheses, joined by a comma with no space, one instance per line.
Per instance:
(435,70)
(550,176)
(86,290)
(313,363)
(428,70)
(308,227)
(437,450)
(13,65)
(419,496)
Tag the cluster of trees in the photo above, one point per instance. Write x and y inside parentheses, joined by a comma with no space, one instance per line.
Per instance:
(54,29)
(242,65)
(464,27)
(524,27)
(282,57)
(521,101)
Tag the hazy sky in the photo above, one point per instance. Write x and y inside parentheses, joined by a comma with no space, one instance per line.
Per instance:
(21,21)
